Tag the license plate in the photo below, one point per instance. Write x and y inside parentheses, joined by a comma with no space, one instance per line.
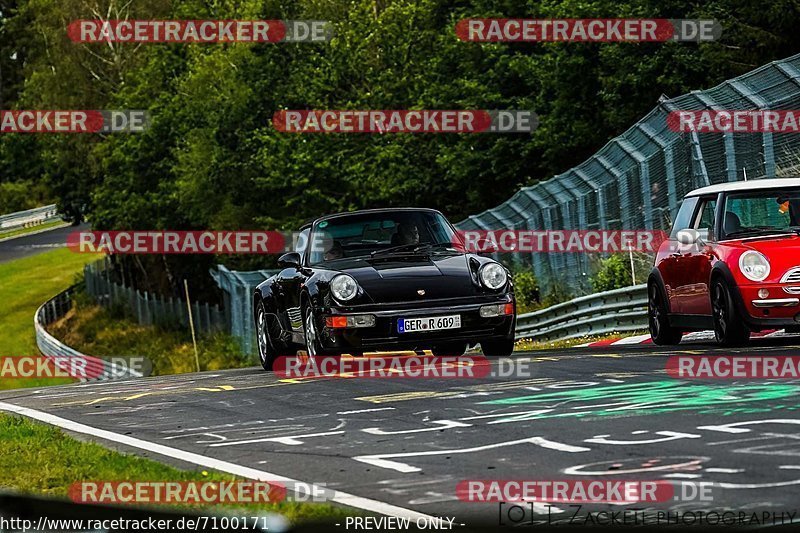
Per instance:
(428,323)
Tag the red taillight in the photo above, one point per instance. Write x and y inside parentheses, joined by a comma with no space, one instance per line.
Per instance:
(508,309)
(336,321)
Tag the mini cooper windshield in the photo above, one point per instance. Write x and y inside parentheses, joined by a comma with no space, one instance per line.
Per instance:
(756,213)
(379,234)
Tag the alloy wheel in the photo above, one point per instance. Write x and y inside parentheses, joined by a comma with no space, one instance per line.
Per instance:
(311,334)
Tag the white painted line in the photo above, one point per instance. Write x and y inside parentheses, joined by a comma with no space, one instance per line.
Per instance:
(440,425)
(215,464)
(357,411)
(724,470)
(682,476)
(383,460)
(636,339)
(780,333)
(290,440)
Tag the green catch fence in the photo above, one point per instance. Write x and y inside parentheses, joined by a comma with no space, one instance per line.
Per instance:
(637,180)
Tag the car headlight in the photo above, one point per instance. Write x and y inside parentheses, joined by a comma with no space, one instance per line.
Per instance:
(493,275)
(344,287)
(754,266)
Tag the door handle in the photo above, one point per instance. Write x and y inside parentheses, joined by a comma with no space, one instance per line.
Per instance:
(675,254)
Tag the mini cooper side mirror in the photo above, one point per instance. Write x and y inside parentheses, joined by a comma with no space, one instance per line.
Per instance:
(688,236)
(289,260)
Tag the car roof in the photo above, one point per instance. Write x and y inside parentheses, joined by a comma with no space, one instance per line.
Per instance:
(775,183)
(367,211)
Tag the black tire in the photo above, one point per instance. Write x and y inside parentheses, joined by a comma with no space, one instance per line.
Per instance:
(270,346)
(498,348)
(450,349)
(729,328)
(658,320)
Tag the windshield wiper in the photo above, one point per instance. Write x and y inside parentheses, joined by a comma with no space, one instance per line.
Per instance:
(761,230)
(413,248)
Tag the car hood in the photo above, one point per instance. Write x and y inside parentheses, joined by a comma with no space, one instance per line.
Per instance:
(782,251)
(400,278)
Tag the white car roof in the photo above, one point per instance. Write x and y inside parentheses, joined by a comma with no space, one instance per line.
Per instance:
(749,185)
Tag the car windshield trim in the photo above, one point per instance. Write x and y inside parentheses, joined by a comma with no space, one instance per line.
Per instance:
(757,232)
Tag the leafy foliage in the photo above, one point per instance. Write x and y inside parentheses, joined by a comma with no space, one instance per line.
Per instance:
(526,290)
(212,159)
(614,273)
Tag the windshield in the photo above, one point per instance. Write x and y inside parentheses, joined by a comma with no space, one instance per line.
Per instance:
(757,213)
(389,232)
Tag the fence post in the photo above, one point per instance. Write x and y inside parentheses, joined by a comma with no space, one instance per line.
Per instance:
(147,319)
(207,316)
(138,306)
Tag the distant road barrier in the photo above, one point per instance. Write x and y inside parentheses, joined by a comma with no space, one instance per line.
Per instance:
(50,311)
(620,310)
(31,217)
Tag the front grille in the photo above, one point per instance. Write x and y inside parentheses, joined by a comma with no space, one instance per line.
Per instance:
(791,276)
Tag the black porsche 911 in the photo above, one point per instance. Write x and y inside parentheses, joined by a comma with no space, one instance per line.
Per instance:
(383,279)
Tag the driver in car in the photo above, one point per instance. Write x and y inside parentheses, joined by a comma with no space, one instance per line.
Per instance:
(336,251)
(407,233)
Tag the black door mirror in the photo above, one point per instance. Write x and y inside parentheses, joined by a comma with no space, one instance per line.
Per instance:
(289,260)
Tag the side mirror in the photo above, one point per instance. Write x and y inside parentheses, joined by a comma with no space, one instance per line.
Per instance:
(688,236)
(485,246)
(289,260)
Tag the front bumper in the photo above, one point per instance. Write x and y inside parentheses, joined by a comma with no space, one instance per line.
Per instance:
(384,335)
(778,309)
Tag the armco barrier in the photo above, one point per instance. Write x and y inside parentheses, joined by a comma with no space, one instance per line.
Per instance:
(598,314)
(38,215)
(50,311)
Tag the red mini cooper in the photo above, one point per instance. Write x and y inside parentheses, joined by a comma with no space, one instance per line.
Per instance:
(731,263)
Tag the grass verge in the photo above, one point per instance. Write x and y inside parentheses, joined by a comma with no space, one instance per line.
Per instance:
(41,460)
(98,331)
(25,284)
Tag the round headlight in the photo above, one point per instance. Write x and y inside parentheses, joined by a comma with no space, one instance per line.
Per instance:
(754,266)
(344,287)
(493,275)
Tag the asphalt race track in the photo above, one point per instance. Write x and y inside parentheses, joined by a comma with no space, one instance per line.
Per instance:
(27,245)
(600,413)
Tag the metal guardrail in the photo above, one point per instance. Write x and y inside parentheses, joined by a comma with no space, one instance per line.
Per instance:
(50,311)
(619,310)
(31,217)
